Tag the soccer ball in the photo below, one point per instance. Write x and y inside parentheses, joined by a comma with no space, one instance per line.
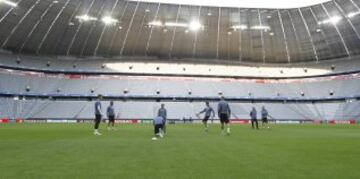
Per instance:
(154,138)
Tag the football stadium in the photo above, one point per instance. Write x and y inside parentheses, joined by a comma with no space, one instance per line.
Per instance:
(177,89)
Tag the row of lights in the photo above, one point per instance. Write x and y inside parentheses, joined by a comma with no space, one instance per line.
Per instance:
(331,93)
(196,25)
(48,64)
(23,98)
(107,20)
(158,92)
(10,3)
(193,25)
(256,27)
(336,19)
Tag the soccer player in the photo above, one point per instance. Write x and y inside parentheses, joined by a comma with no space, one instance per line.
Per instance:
(253,116)
(98,114)
(158,126)
(264,118)
(163,113)
(224,112)
(209,112)
(110,111)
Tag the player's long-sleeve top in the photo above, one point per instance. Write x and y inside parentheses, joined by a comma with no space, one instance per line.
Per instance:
(98,108)
(208,111)
(158,120)
(162,112)
(110,111)
(264,113)
(224,108)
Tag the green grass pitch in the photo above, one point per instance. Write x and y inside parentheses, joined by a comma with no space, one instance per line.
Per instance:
(286,151)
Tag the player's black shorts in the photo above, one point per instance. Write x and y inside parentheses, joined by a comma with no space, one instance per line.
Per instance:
(224,118)
(97,117)
(206,118)
(158,127)
(111,118)
(264,120)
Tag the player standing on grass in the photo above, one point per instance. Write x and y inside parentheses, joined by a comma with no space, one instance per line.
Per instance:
(209,112)
(253,116)
(163,113)
(224,112)
(98,114)
(264,118)
(111,116)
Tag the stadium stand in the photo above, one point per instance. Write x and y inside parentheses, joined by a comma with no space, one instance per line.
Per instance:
(25,85)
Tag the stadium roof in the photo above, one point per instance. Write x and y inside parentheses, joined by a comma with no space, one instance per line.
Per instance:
(265,4)
(118,28)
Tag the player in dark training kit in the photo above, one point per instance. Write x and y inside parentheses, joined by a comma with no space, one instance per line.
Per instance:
(209,112)
(224,115)
(253,116)
(110,111)
(264,118)
(98,115)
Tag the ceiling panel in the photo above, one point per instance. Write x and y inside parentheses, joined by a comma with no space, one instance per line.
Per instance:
(230,35)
